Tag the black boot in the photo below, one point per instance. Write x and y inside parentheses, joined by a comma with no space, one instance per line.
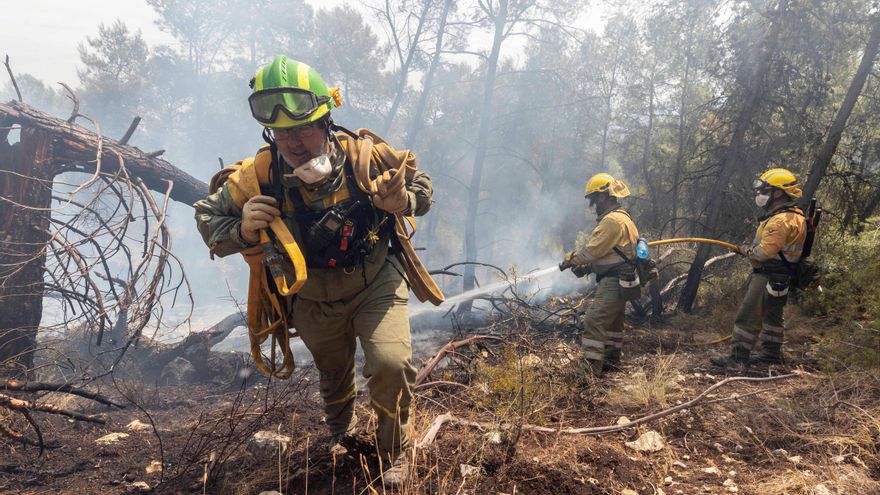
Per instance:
(771,353)
(739,355)
(611,363)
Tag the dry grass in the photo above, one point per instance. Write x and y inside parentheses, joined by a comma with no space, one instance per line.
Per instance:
(819,480)
(650,385)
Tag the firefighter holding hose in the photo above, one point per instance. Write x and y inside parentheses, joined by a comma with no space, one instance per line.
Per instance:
(774,254)
(611,243)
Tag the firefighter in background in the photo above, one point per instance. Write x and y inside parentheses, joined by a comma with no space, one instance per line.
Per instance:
(611,243)
(355,288)
(777,247)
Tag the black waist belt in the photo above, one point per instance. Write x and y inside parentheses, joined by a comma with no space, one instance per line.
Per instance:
(610,273)
(771,271)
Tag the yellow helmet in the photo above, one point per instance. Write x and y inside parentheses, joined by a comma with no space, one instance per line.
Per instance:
(606,182)
(779,178)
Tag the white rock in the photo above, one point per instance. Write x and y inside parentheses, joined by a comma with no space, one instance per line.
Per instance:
(141,486)
(712,470)
(138,425)
(821,489)
(154,467)
(796,459)
(493,437)
(622,420)
(649,441)
(780,452)
(468,470)
(731,473)
(266,444)
(111,438)
(667,480)
(531,360)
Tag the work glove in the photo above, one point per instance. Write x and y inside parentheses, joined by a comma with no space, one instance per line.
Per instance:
(566,261)
(580,271)
(391,194)
(256,215)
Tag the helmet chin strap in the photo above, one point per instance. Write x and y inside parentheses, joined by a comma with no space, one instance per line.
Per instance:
(334,127)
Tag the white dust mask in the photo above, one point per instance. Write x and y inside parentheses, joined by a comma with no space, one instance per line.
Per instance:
(314,170)
(762,199)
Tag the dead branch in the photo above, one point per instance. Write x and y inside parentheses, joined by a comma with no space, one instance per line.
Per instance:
(131,128)
(677,280)
(67,388)
(12,77)
(438,423)
(75,146)
(446,349)
(20,405)
(72,96)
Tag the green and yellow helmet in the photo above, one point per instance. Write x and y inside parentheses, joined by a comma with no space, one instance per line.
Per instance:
(288,93)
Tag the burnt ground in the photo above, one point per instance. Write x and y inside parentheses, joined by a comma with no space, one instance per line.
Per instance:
(816,433)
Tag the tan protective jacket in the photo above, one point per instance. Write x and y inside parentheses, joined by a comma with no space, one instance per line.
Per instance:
(785,231)
(615,228)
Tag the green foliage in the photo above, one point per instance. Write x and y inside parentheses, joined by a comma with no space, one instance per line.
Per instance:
(850,299)
(503,385)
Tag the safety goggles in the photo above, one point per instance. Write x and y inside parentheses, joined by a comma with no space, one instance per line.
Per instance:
(296,103)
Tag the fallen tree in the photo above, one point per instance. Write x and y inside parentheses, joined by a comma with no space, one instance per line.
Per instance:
(58,235)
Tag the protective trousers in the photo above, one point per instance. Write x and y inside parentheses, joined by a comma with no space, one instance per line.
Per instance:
(760,315)
(378,317)
(602,336)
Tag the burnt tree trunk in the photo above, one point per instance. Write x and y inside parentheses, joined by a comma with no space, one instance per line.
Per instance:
(826,153)
(734,156)
(26,191)
(50,146)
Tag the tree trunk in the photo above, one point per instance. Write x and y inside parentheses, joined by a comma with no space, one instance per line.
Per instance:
(470,233)
(735,154)
(826,153)
(404,69)
(416,123)
(646,152)
(682,112)
(24,218)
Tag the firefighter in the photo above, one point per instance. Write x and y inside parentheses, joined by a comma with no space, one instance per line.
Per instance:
(611,243)
(355,287)
(776,248)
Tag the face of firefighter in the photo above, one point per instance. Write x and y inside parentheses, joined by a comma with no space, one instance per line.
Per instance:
(301,144)
(599,203)
(769,198)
